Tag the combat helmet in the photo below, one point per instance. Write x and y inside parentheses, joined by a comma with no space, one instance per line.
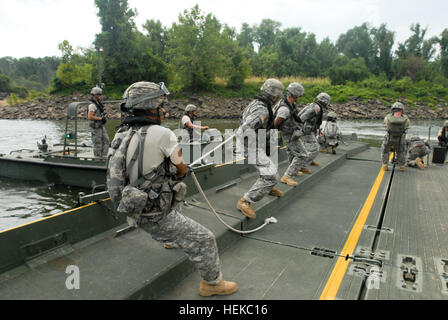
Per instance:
(397,106)
(96,90)
(324,98)
(295,89)
(190,108)
(332,115)
(144,96)
(273,88)
(446,124)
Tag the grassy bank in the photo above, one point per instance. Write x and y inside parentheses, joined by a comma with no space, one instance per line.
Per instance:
(372,89)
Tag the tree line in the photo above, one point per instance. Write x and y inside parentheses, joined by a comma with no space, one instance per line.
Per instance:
(198,49)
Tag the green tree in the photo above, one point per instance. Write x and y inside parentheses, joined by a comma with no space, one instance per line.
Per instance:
(443,41)
(266,33)
(156,36)
(357,43)
(346,69)
(383,41)
(416,45)
(5,83)
(118,40)
(196,50)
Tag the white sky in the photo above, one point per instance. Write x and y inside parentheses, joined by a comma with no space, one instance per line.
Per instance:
(35,27)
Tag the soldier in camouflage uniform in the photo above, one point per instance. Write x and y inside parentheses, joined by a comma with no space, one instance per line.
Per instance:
(144,172)
(417,150)
(329,134)
(395,138)
(311,116)
(290,126)
(97,120)
(258,116)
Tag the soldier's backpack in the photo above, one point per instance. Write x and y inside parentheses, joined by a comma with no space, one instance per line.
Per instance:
(153,194)
(396,129)
(330,130)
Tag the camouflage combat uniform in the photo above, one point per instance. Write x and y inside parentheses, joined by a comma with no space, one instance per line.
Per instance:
(267,169)
(100,139)
(399,147)
(311,116)
(154,205)
(417,148)
(331,134)
(291,133)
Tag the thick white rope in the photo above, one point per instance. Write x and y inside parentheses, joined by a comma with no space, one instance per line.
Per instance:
(266,222)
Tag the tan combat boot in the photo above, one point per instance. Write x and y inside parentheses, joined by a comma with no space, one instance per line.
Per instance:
(324,150)
(244,206)
(276,193)
(168,246)
(401,168)
(385,167)
(289,181)
(314,163)
(223,288)
(333,150)
(420,164)
(305,170)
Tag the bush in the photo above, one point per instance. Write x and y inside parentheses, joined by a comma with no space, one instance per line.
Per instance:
(353,70)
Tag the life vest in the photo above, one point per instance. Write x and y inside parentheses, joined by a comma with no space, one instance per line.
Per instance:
(396,129)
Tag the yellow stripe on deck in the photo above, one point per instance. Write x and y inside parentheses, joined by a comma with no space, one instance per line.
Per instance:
(334,282)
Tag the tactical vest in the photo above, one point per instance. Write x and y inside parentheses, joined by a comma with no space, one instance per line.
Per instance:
(396,128)
(96,124)
(311,120)
(154,194)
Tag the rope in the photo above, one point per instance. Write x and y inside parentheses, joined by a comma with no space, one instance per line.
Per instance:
(266,222)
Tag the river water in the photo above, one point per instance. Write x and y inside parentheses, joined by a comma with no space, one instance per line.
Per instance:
(22,202)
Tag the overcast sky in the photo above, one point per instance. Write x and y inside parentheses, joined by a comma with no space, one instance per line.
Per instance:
(35,27)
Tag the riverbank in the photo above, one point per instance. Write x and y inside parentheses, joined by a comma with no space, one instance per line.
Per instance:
(55,108)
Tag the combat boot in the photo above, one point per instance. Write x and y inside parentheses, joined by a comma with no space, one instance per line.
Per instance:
(314,163)
(385,167)
(324,150)
(244,206)
(168,246)
(420,164)
(333,150)
(276,193)
(223,288)
(401,168)
(305,170)
(289,181)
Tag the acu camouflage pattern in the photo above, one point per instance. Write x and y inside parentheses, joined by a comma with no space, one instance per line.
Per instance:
(196,241)
(331,135)
(417,148)
(308,117)
(138,90)
(272,87)
(394,143)
(267,169)
(291,133)
(100,139)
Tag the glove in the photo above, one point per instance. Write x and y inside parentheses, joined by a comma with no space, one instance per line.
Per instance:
(103,120)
